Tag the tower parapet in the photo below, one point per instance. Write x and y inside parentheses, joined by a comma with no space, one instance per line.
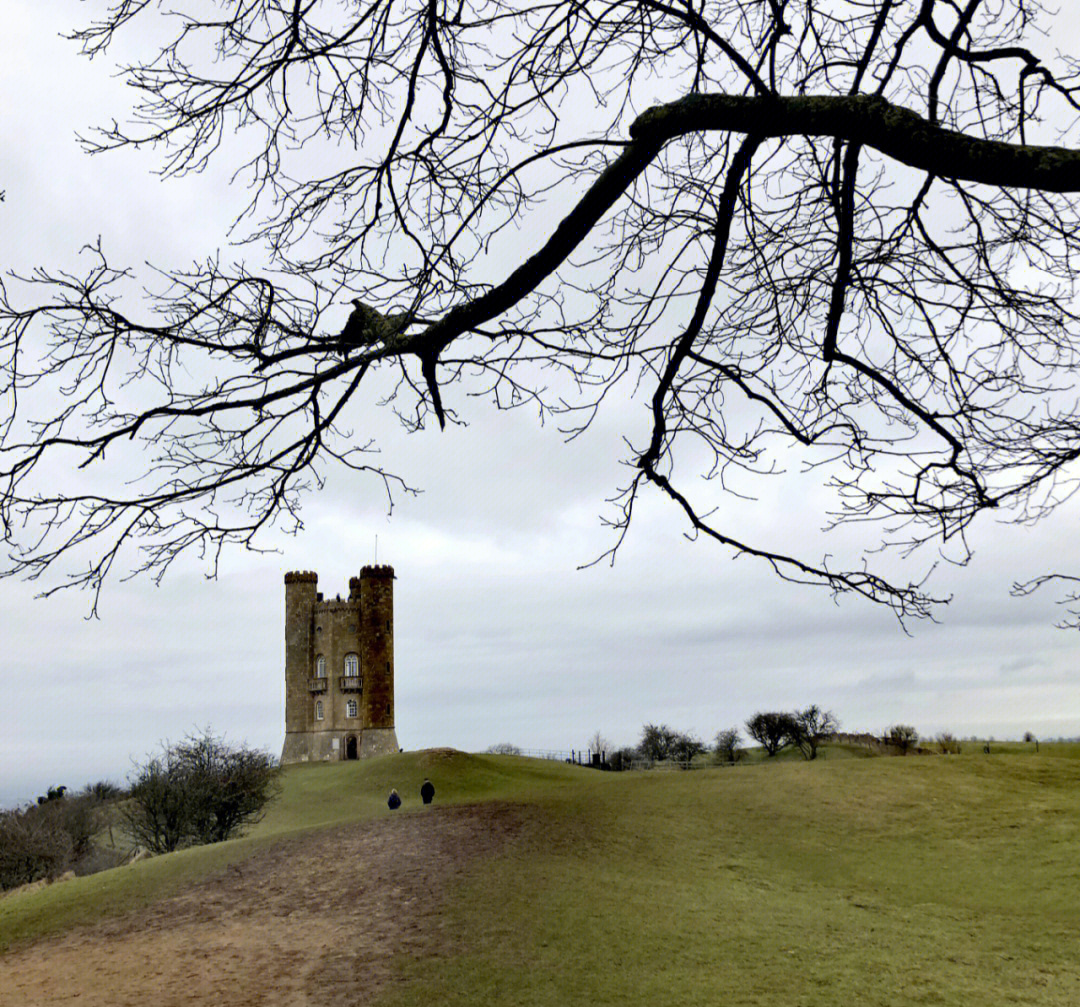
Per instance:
(381,570)
(301,577)
(339,668)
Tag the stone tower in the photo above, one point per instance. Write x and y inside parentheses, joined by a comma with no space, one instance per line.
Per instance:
(339,668)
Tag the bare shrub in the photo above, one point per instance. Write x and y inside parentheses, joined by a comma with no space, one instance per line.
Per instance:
(598,743)
(684,748)
(32,847)
(948,744)
(903,737)
(813,726)
(104,790)
(623,758)
(202,790)
(504,748)
(656,742)
(727,745)
(772,731)
(80,817)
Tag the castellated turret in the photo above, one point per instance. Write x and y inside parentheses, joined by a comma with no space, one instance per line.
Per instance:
(339,668)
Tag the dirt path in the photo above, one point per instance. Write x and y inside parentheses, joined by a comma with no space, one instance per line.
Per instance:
(317,920)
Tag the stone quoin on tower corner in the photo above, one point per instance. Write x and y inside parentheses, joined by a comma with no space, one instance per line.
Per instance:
(339,668)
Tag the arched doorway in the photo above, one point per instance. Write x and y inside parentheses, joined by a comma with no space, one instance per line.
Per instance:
(350,747)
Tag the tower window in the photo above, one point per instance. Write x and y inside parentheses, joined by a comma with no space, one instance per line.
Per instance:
(350,708)
(320,667)
(318,709)
(352,665)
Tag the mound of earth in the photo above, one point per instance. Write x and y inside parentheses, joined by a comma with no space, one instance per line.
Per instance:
(434,757)
(318,919)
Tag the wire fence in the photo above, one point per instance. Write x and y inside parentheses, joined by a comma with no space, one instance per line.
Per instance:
(622,760)
(613,760)
(578,756)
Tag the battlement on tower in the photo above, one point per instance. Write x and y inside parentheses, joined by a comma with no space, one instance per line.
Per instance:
(335,605)
(301,577)
(374,571)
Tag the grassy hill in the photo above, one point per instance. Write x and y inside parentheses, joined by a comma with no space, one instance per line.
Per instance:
(313,796)
(870,881)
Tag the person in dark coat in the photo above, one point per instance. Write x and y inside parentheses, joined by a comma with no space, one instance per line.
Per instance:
(427,791)
(393,801)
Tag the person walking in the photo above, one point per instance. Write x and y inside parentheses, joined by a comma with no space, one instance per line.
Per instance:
(393,801)
(427,791)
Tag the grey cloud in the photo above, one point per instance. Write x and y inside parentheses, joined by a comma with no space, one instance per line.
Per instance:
(498,636)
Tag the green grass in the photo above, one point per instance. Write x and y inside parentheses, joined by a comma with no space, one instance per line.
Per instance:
(331,793)
(895,881)
(828,750)
(867,881)
(1058,749)
(313,796)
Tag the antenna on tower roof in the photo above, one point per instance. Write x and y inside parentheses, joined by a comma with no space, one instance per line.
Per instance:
(376,550)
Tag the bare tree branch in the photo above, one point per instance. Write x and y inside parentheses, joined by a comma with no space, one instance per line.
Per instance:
(809,234)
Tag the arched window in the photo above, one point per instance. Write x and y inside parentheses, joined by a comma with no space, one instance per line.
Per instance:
(352,666)
(318,709)
(350,708)
(320,667)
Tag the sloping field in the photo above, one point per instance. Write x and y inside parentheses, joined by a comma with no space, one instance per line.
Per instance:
(323,920)
(863,881)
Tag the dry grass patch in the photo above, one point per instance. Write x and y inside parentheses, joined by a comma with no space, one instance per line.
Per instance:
(319,919)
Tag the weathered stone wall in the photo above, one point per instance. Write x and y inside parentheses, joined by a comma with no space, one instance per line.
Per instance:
(337,634)
(362,624)
(377,640)
(378,741)
(331,746)
(301,590)
(314,746)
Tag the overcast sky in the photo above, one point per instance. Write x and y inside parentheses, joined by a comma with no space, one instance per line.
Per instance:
(499,637)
